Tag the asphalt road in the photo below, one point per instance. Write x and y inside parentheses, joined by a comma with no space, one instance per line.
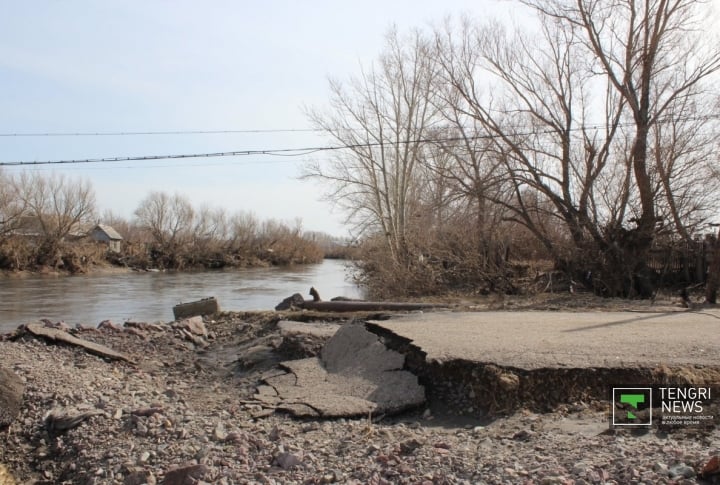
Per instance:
(532,340)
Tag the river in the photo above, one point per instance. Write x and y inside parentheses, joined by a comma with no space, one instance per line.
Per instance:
(149,297)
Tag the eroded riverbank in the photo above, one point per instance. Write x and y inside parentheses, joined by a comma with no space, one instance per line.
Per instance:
(189,409)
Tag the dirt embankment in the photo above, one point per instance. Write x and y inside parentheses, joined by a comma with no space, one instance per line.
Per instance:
(188,413)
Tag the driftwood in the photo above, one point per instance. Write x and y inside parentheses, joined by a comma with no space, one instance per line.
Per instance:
(58,421)
(56,335)
(341,304)
(11,395)
(359,306)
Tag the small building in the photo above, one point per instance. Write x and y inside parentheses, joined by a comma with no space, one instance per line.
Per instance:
(106,234)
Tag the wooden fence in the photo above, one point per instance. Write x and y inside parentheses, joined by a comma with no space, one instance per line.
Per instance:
(682,262)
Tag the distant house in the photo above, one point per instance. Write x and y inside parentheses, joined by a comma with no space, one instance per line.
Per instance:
(106,234)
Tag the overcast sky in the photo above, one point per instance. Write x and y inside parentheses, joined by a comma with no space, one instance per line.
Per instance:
(136,66)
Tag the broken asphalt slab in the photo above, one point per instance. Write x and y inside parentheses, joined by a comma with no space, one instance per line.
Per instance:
(55,335)
(355,375)
(534,340)
(492,363)
(487,363)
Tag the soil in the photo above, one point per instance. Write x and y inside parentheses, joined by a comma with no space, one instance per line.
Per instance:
(187,414)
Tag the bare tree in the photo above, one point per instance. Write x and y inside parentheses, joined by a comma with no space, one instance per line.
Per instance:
(529,99)
(210,229)
(12,206)
(168,218)
(242,233)
(382,117)
(683,153)
(571,114)
(655,56)
(58,205)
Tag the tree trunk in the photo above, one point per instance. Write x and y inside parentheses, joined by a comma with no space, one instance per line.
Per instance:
(713,277)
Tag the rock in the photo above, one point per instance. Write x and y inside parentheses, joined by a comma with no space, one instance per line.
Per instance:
(108,325)
(408,446)
(290,303)
(206,306)
(523,435)
(138,476)
(185,475)
(59,325)
(79,327)
(286,460)
(11,396)
(681,471)
(712,467)
(219,432)
(6,477)
(553,480)
(194,325)
(59,420)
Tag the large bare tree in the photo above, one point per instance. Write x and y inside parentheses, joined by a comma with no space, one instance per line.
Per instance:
(572,113)
(383,117)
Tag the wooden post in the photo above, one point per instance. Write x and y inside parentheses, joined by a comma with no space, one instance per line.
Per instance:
(713,275)
(700,258)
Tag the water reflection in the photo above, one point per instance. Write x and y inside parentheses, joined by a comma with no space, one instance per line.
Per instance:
(151,296)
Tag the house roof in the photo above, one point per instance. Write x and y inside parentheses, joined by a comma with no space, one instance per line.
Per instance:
(109,231)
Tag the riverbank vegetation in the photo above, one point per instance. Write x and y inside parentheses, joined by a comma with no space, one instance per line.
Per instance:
(46,224)
(475,152)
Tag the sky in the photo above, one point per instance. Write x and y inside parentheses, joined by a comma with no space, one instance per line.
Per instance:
(157,66)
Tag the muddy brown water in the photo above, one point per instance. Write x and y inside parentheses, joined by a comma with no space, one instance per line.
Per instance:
(89,299)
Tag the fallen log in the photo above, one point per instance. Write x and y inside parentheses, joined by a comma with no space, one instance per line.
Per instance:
(359,306)
(56,335)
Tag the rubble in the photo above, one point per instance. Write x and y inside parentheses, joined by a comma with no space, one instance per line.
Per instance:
(188,415)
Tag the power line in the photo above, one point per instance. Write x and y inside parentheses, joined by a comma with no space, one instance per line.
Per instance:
(153,133)
(296,152)
(174,165)
(258,131)
(280,152)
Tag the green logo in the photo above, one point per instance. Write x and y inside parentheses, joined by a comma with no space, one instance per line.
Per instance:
(627,401)
(633,400)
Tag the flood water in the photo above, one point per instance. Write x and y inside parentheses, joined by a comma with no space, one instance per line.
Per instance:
(149,297)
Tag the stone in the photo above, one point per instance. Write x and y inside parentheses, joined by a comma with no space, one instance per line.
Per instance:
(185,475)
(286,460)
(6,477)
(290,303)
(712,467)
(681,471)
(206,306)
(138,476)
(194,325)
(108,325)
(219,432)
(11,396)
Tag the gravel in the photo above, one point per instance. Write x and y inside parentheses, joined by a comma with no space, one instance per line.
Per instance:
(186,414)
